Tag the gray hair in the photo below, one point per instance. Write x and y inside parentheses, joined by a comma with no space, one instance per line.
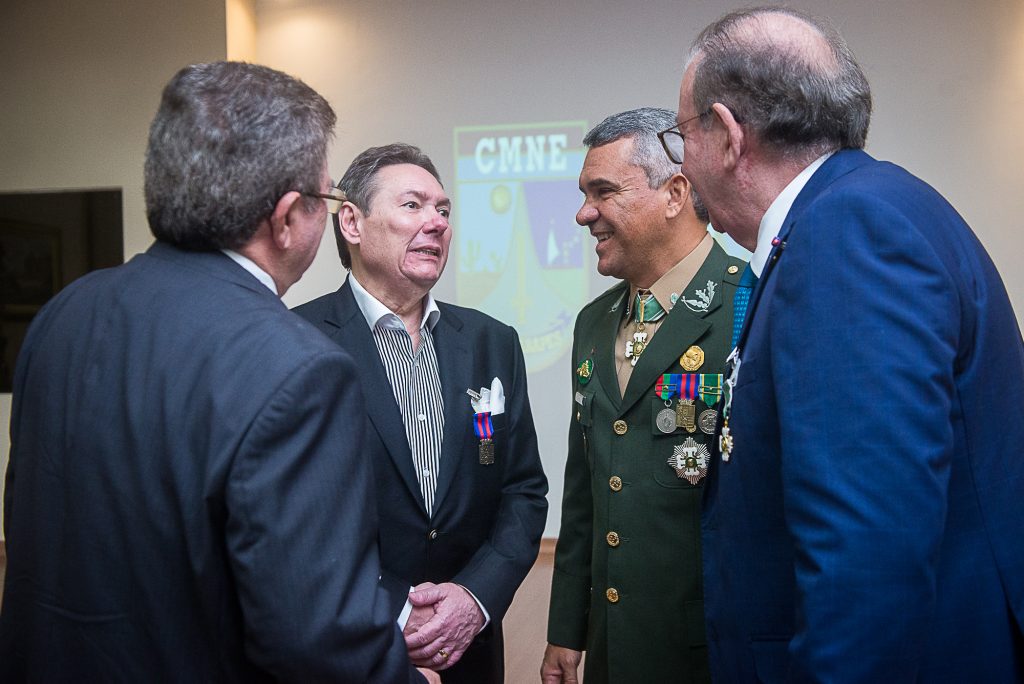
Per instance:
(643,126)
(229,140)
(360,181)
(802,96)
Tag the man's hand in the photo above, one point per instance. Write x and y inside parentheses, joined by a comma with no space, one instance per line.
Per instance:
(560,665)
(431,676)
(420,615)
(440,642)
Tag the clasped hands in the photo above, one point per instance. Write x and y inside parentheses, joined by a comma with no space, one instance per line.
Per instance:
(444,620)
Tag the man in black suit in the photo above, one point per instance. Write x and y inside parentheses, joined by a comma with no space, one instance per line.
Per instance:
(459,478)
(172,505)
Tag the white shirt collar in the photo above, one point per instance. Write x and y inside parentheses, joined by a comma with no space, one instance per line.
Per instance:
(250,266)
(771,222)
(376,314)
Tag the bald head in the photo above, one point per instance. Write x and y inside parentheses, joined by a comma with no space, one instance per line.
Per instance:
(784,33)
(787,77)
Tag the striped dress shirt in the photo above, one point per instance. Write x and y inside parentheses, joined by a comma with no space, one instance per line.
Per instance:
(414,380)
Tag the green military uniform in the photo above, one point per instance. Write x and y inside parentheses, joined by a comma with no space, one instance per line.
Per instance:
(627,584)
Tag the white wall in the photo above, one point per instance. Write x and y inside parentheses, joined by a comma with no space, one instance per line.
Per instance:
(947,77)
(79,83)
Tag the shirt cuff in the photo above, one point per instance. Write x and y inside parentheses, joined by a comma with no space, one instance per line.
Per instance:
(487,617)
(403,617)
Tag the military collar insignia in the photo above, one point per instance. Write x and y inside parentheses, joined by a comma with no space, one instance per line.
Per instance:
(703,298)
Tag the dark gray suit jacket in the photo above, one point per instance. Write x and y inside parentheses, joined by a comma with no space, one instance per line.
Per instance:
(172,512)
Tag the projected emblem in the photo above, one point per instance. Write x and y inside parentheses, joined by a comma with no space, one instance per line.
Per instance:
(519,253)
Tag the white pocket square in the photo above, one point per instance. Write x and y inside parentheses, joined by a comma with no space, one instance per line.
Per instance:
(489,400)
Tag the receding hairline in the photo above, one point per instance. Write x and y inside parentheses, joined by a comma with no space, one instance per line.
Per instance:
(783,30)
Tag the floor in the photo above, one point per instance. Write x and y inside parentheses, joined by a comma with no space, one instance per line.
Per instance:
(525,623)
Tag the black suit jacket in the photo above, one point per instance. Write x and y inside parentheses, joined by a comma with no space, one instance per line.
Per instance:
(487,520)
(172,508)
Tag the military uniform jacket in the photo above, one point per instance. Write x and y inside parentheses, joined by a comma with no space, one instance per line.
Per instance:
(627,577)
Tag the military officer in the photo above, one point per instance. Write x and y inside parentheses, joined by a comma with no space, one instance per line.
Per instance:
(647,361)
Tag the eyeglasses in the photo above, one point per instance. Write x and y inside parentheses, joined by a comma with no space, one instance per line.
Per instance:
(672,138)
(333,201)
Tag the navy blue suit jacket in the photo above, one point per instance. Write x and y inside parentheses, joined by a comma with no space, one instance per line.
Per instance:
(869,525)
(172,511)
(485,528)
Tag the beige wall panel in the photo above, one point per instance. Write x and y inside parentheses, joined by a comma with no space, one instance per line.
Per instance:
(79,83)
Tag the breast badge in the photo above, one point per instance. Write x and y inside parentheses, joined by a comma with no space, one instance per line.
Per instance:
(584,371)
(690,460)
(692,358)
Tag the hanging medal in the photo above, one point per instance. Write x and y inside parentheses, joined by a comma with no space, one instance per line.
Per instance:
(484,429)
(666,387)
(647,309)
(710,392)
(685,410)
(636,346)
(725,441)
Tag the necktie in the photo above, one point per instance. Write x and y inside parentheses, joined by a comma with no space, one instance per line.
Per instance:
(647,306)
(740,301)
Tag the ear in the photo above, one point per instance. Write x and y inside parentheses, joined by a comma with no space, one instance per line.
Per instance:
(678,189)
(734,140)
(281,230)
(350,219)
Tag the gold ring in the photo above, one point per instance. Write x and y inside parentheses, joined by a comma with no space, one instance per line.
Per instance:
(443,653)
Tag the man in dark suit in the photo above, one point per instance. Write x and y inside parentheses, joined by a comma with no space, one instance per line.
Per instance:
(865,521)
(459,477)
(627,577)
(180,439)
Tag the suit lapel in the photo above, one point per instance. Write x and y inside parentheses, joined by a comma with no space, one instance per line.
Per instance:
(836,166)
(606,333)
(353,335)
(680,329)
(456,365)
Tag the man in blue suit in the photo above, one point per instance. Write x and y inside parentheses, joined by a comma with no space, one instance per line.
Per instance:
(865,520)
(459,477)
(187,497)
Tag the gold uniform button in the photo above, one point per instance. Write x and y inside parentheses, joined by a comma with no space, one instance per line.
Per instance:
(612,594)
(620,427)
(615,482)
(733,270)
(612,538)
